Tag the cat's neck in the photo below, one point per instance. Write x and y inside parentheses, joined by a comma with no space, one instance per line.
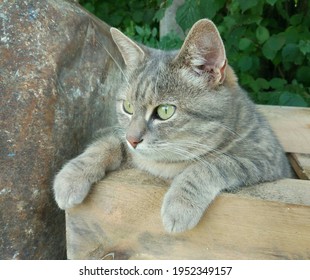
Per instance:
(166,170)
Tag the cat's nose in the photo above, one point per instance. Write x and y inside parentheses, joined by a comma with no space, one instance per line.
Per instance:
(133,141)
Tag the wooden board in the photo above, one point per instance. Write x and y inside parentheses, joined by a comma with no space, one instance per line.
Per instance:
(301,165)
(121,219)
(291,125)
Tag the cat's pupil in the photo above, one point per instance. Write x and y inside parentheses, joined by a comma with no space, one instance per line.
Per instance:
(127,107)
(164,112)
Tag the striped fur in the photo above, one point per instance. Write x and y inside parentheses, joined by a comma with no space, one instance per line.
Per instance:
(215,141)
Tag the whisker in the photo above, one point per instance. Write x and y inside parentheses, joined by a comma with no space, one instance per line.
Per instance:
(205,163)
(229,129)
(116,63)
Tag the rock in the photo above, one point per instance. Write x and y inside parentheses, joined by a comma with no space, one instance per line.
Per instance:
(168,23)
(57,81)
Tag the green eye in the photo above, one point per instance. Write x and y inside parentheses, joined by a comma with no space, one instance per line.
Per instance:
(165,112)
(128,107)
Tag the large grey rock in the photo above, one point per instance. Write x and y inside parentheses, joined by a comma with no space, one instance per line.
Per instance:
(56,89)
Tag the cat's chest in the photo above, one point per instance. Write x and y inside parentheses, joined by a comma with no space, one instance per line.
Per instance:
(165,170)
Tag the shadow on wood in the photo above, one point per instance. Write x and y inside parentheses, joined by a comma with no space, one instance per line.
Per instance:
(120,219)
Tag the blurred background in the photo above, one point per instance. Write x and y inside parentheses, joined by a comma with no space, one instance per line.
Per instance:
(267,41)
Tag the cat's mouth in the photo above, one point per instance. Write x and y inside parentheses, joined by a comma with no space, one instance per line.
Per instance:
(162,153)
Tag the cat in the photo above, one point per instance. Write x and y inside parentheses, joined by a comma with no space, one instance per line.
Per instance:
(183,116)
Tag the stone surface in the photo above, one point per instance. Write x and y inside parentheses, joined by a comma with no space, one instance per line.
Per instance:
(168,23)
(57,81)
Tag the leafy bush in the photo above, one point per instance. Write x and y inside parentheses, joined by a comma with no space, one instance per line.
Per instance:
(267,41)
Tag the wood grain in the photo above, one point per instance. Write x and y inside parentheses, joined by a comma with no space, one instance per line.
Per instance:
(301,165)
(291,125)
(121,219)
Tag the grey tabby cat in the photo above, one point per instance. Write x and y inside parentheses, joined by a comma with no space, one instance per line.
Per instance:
(183,116)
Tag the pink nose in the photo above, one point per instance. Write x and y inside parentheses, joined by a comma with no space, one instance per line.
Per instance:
(133,141)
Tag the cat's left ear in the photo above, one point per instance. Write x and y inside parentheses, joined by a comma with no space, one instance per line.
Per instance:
(203,52)
(132,54)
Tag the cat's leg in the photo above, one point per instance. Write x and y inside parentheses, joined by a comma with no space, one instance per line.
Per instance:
(73,182)
(192,191)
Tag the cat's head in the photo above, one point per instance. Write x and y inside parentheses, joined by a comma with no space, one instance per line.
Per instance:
(175,105)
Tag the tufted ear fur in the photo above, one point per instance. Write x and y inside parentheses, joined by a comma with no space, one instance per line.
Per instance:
(132,54)
(203,52)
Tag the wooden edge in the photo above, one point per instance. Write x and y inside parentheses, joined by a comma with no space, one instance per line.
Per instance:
(291,125)
(301,165)
(121,219)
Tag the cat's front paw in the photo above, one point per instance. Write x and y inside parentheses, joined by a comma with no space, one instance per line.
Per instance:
(70,188)
(179,214)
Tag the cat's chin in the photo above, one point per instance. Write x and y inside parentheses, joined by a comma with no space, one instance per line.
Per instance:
(162,158)
(159,156)
(159,168)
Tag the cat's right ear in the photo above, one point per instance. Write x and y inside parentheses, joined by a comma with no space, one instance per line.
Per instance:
(132,54)
(203,52)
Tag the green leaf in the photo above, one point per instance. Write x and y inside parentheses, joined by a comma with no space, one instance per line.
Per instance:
(262,83)
(268,51)
(290,53)
(277,41)
(116,20)
(262,34)
(247,4)
(303,75)
(270,98)
(245,63)
(292,34)
(271,2)
(277,83)
(90,7)
(296,19)
(170,41)
(187,14)
(272,45)
(229,22)
(244,43)
(161,12)
(209,8)
(304,46)
(159,15)
(137,16)
(246,79)
(291,99)
(154,32)
(140,30)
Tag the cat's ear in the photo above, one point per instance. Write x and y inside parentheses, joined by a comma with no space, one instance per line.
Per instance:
(204,53)
(132,54)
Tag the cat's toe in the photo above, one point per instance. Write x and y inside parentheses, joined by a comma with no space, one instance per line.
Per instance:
(70,192)
(178,216)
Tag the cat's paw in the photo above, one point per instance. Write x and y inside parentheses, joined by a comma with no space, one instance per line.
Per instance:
(70,188)
(179,214)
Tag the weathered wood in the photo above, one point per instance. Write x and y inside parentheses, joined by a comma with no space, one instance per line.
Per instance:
(301,165)
(121,219)
(291,125)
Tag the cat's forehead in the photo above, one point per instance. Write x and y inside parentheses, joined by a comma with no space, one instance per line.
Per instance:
(150,82)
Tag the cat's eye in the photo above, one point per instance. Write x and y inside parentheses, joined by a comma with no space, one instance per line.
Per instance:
(128,108)
(165,112)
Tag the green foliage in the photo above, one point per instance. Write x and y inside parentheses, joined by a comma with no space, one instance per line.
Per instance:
(137,19)
(267,41)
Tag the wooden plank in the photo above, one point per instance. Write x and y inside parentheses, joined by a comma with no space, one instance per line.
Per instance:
(301,165)
(291,125)
(121,219)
